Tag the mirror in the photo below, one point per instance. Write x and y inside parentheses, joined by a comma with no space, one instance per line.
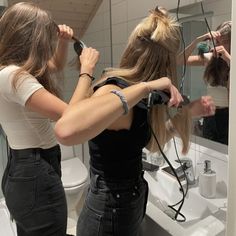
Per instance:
(192,77)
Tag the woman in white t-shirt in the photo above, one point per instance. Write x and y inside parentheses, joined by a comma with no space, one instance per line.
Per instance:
(32,49)
(216,76)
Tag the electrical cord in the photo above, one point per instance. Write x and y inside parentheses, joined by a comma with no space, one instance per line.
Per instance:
(181,202)
(208,27)
(187,185)
(173,170)
(184,52)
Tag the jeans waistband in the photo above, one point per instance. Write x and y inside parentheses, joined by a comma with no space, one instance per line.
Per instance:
(97,181)
(28,151)
(36,153)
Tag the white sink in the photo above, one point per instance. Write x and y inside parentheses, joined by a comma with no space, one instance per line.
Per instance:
(204,217)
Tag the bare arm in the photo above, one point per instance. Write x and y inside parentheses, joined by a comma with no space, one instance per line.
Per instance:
(195,60)
(48,105)
(201,107)
(88,60)
(86,119)
(59,59)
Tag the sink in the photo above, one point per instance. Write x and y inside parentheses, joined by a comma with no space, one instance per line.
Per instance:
(205,217)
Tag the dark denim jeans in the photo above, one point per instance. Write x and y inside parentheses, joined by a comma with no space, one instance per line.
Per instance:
(34,193)
(113,208)
(216,127)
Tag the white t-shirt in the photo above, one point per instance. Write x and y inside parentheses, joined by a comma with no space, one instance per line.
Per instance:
(219,94)
(24,128)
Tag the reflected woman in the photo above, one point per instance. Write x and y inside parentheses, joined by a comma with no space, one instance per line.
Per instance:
(216,76)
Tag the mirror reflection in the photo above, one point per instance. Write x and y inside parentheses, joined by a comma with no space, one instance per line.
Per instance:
(205,66)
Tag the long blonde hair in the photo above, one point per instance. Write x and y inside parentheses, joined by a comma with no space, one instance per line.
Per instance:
(149,55)
(28,39)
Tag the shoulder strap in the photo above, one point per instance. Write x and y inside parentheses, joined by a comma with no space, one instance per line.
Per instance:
(120,82)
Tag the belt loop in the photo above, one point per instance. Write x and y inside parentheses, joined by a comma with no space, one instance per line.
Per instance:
(37,157)
(96,181)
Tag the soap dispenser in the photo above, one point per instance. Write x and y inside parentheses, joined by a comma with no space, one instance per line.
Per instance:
(207,181)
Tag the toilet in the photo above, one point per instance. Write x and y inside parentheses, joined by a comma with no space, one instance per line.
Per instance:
(74,180)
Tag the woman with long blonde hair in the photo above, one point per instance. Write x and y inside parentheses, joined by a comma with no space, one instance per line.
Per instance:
(119,127)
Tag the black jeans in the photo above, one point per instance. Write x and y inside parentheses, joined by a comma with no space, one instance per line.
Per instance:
(113,208)
(34,193)
(216,127)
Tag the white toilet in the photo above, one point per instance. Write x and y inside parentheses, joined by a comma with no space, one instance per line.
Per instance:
(74,179)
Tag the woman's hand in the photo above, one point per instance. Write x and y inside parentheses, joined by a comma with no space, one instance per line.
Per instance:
(202,107)
(58,61)
(88,60)
(176,97)
(165,84)
(220,51)
(214,34)
(65,33)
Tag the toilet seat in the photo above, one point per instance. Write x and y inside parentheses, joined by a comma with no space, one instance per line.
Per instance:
(74,173)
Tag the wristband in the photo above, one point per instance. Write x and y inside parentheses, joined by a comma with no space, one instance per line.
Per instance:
(90,76)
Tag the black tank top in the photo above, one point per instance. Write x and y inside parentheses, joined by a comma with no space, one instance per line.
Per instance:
(118,154)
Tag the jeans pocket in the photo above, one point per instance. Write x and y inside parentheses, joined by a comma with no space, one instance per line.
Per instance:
(20,195)
(89,222)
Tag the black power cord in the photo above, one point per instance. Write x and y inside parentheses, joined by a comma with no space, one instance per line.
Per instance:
(184,53)
(181,202)
(208,27)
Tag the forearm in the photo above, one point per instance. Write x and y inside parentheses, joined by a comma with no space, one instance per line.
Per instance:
(84,120)
(185,54)
(82,91)
(60,57)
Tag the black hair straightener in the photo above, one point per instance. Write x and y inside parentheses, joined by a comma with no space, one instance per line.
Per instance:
(161,97)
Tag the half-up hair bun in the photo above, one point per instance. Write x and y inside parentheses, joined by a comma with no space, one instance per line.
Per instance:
(159,27)
(159,11)
(165,29)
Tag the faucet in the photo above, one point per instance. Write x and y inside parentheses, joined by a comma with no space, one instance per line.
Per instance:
(187,168)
